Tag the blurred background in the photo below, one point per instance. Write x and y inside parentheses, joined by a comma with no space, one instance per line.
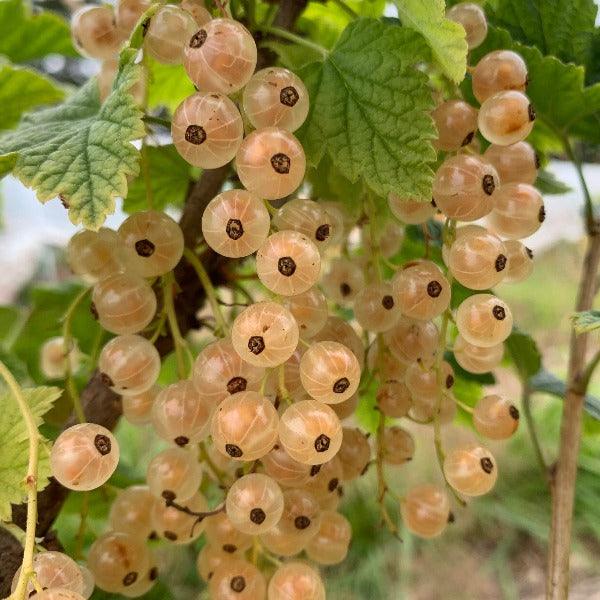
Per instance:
(496,547)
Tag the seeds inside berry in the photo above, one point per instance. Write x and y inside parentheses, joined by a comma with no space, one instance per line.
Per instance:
(387,302)
(256,344)
(195,134)
(468,138)
(257,515)
(499,312)
(434,289)
(513,411)
(322,232)
(487,465)
(314,470)
(289,96)
(341,385)
(198,39)
(238,583)
(345,289)
(170,535)
(236,384)
(102,443)
(182,441)
(229,548)
(286,266)
(130,578)
(144,248)
(234,229)
(322,443)
(333,483)
(281,163)
(488,185)
(153,574)
(233,450)
(449,381)
(301,522)
(500,262)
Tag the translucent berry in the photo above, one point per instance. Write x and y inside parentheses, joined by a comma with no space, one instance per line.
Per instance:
(131,511)
(484,320)
(137,408)
(283,541)
(209,559)
(376,307)
(464,187)
(472,18)
(388,237)
(181,415)
(296,581)
(354,454)
(95,32)
(345,409)
(88,582)
(310,311)
(506,118)
(144,583)
(53,358)
(118,560)
(276,97)
(59,594)
(174,474)
(254,503)
(428,409)
(168,33)
(413,340)
(221,534)
(219,372)
(518,211)
(499,71)
(265,334)
(207,130)
(124,303)
(398,446)
(307,217)
(477,258)
(177,526)
(394,399)
(288,263)
(285,470)
(271,163)
(301,515)
(426,510)
(244,426)
(388,366)
(330,545)
(343,280)
(476,359)
(197,9)
(84,456)
(495,418)
(409,211)
(422,290)
(520,261)
(517,163)
(94,255)
(326,479)
(220,57)
(237,579)
(153,242)
(456,122)
(291,375)
(337,220)
(471,470)
(128,13)
(310,432)
(338,330)
(129,364)
(53,570)
(329,372)
(235,223)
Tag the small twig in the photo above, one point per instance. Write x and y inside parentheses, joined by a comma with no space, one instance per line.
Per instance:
(200,516)
(157,121)
(292,37)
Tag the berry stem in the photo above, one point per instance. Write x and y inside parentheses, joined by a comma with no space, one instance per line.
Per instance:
(209,289)
(283,391)
(169,307)
(464,406)
(204,457)
(292,37)
(157,121)
(83,514)
(526,403)
(349,11)
(30,482)
(70,386)
(382,487)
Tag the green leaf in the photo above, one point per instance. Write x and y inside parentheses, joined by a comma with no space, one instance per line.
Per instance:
(293,56)
(546,382)
(571,108)
(587,320)
(524,353)
(168,85)
(169,178)
(370,110)
(27,36)
(445,38)
(547,183)
(7,163)
(81,149)
(14,445)
(481,378)
(562,28)
(22,89)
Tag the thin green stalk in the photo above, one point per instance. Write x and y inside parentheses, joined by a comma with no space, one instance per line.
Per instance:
(535,442)
(159,327)
(179,342)
(204,457)
(209,289)
(347,9)
(67,349)
(83,515)
(157,121)
(292,37)
(33,434)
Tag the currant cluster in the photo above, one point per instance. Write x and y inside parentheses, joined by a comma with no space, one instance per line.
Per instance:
(260,414)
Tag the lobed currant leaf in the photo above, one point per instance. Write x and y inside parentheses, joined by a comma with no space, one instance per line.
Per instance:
(445,38)
(370,109)
(168,85)
(81,150)
(14,445)
(27,36)
(22,89)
